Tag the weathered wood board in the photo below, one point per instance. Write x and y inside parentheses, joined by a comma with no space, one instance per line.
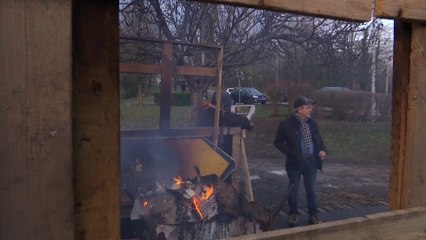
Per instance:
(401,9)
(37,147)
(96,120)
(36,199)
(354,10)
(414,184)
(399,114)
(396,225)
(407,185)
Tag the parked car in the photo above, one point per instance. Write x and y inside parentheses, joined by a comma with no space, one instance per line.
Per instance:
(248,95)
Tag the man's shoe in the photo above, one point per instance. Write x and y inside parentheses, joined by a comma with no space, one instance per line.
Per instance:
(314,219)
(293,220)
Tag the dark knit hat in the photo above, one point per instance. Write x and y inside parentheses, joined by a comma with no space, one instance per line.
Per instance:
(302,100)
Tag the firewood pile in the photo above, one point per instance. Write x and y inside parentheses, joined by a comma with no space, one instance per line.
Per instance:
(204,207)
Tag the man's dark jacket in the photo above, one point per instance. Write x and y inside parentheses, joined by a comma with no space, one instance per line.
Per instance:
(288,138)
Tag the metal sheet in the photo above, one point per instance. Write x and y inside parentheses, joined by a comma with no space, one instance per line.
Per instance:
(179,156)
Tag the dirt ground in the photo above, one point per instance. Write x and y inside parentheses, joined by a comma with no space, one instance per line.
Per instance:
(341,184)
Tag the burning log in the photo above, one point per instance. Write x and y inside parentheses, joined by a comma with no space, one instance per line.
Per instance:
(210,229)
(163,209)
(201,208)
(189,206)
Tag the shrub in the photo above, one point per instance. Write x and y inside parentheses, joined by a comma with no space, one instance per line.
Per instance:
(351,105)
(384,106)
(178,99)
(296,89)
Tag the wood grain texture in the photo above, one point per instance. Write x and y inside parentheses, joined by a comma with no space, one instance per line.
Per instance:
(35,120)
(396,225)
(401,9)
(401,75)
(407,184)
(354,10)
(179,132)
(96,124)
(166,86)
(415,185)
(236,154)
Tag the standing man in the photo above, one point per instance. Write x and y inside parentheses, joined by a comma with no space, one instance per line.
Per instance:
(299,139)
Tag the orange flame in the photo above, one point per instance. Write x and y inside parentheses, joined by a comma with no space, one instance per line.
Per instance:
(145,204)
(205,195)
(197,206)
(207,192)
(178,180)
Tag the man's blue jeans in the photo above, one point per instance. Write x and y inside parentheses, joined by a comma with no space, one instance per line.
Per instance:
(308,170)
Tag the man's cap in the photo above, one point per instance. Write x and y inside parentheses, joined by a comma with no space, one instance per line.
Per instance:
(302,100)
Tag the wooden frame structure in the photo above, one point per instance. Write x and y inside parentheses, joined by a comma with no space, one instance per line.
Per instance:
(59,119)
(167,69)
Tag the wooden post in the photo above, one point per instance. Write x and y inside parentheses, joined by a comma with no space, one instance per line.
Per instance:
(166,87)
(236,154)
(96,120)
(407,187)
(241,166)
(245,170)
(218,97)
(399,114)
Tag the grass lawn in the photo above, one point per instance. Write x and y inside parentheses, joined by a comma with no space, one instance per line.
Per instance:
(359,142)
(133,116)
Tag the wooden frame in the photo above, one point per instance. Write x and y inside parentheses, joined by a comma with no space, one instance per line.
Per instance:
(402,224)
(353,10)
(401,9)
(167,69)
(59,123)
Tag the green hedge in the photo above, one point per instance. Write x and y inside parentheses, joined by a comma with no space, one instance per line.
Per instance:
(178,99)
(352,105)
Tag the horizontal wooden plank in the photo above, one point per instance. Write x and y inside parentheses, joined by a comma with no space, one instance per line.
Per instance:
(177,70)
(140,68)
(178,132)
(354,10)
(195,71)
(401,9)
(396,225)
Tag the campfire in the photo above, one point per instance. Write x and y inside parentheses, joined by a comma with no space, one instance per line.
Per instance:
(201,195)
(190,206)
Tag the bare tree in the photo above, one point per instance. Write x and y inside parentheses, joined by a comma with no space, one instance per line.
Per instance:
(313,50)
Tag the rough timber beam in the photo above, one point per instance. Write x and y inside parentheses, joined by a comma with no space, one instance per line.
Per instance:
(401,9)
(36,199)
(96,120)
(353,10)
(396,225)
(407,186)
